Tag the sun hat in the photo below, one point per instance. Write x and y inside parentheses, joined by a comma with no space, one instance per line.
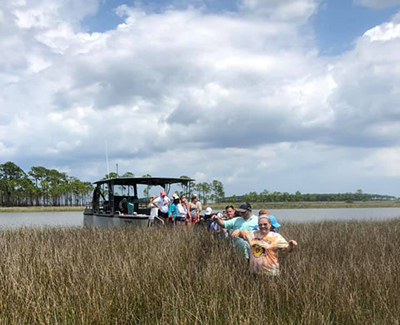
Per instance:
(244,207)
(208,211)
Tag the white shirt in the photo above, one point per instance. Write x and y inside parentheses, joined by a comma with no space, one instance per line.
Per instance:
(162,203)
(182,210)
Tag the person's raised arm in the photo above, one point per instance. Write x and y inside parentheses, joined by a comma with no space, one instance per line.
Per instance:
(219,221)
(289,249)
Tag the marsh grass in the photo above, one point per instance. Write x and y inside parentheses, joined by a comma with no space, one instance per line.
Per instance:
(341,273)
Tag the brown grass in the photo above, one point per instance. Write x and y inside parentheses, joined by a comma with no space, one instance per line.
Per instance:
(341,273)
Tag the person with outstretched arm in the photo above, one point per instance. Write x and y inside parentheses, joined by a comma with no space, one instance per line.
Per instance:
(246,222)
(264,246)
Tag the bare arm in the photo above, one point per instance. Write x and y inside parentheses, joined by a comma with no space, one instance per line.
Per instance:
(289,249)
(219,221)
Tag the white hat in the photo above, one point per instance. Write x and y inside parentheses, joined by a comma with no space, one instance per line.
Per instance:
(208,211)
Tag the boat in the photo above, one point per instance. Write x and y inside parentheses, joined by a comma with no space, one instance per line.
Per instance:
(119,201)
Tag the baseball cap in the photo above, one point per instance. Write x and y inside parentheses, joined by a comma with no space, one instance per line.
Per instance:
(244,207)
(274,222)
(208,211)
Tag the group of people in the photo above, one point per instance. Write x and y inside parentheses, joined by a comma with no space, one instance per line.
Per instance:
(175,210)
(256,237)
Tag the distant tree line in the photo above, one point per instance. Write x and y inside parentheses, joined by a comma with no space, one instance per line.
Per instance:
(266,196)
(48,187)
(206,192)
(40,187)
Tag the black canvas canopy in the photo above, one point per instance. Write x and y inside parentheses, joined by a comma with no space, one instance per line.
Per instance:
(153,181)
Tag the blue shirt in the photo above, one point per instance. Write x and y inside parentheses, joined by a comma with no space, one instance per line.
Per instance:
(172,209)
(242,224)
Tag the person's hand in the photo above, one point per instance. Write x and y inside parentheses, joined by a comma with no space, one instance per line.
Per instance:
(236,233)
(292,243)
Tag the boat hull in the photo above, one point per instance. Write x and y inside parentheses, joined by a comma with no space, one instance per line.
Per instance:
(92,220)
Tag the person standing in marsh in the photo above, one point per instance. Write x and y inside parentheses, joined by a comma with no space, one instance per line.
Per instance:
(247,221)
(194,210)
(162,202)
(153,209)
(274,223)
(182,212)
(264,247)
(198,204)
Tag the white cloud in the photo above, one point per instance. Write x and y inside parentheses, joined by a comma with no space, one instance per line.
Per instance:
(384,32)
(241,97)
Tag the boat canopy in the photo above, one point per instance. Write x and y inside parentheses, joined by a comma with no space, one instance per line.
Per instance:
(153,181)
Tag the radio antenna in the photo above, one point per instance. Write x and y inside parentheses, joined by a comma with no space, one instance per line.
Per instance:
(108,165)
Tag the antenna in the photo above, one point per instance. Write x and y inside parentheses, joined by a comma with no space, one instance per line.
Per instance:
(108,165)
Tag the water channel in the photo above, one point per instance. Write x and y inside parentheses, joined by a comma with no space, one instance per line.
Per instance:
(75,219)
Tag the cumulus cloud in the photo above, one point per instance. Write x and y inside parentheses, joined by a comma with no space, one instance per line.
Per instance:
(190,92)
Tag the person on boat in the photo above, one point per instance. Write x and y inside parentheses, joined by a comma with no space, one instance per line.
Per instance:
(194,210)
(123,206)
(274,223)
(247,221)
(162,202)
(264,246)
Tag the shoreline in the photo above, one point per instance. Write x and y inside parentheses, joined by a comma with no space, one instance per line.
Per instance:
(221,206)
(311,205)
(41,209)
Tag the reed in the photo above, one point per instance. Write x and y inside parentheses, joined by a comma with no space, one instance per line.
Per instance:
(341,273)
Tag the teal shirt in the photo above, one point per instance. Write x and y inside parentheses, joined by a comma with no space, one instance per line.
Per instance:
(247,225)
(240,223)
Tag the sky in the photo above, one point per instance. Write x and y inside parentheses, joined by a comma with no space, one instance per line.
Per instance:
(277,95)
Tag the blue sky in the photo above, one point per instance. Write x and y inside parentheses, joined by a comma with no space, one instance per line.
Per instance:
(337,23)
(282,95)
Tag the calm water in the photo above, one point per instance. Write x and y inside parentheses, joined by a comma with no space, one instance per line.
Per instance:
(75,219)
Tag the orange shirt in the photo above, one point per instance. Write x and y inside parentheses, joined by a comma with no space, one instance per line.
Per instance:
(264,251)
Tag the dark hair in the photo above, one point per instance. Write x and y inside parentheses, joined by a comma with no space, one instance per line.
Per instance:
(229,207)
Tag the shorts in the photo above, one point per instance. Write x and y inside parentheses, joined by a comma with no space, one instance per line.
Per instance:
(163,215)
(180,220)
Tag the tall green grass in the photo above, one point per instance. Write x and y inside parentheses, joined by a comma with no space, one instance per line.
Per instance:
(341,273)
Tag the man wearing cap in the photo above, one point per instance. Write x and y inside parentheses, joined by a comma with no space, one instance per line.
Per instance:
(162,203)
(247,221)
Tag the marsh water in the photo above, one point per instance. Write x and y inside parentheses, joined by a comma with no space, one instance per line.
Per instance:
(75,219)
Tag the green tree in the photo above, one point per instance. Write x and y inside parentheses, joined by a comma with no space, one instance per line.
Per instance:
(146,191)
(218,188)
(190,186)
(11,176)
(204,190)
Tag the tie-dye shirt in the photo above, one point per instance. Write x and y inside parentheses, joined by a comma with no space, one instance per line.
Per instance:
(264,251)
